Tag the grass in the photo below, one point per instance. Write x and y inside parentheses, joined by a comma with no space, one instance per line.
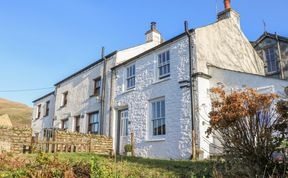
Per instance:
(141,167)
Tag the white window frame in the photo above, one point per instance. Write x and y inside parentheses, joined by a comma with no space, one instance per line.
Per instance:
(124,122)
(131,76)
(64,121)
(163,64)
(158,118)
(96,123)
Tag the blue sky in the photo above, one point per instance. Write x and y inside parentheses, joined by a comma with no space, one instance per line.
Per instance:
(41,42)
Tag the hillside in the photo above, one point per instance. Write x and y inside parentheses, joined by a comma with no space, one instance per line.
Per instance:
(20,114)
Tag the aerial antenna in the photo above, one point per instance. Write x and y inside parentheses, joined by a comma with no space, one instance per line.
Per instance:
(216,8)
(264,26)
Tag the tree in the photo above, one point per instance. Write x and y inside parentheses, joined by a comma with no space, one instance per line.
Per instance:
(250,126)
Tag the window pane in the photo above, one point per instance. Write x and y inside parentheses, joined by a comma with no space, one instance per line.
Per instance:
(158,109)
(162,108)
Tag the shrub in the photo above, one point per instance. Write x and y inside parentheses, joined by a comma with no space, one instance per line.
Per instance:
(250,127)
(128,148)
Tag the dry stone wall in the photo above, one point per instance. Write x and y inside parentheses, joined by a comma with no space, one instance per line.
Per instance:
(95,143)
(13,139)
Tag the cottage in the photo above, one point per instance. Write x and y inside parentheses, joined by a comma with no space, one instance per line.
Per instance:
(145,90)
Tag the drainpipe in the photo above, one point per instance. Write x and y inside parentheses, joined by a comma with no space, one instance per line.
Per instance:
(103,92)
(280,58)
(111,102)
(192,87)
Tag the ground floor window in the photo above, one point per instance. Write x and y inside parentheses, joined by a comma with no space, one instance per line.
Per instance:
(93,125)
(77,123)
(158,117)
(65,124)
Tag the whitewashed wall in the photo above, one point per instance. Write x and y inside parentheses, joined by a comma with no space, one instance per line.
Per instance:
(38,124)
(176,144)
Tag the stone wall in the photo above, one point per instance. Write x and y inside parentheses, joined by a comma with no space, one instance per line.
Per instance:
(95,143)
(13,139)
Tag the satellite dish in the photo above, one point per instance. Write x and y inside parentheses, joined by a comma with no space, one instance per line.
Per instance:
(286,90)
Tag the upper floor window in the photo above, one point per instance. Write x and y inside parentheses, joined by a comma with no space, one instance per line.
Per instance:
(65,124)
(131,76)
(64,99)
(271,60)
(47,108)
(97,86)
(158,117)
(164,64)
(38,111)
(77,123)
(93,125)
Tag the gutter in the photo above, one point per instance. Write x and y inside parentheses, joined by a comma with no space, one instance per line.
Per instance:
(192,88)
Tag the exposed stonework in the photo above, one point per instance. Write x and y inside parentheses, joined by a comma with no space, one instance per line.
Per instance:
(96,143)
(13,139)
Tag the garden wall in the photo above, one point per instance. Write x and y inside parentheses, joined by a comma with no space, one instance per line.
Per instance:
(13,139)
(84,142)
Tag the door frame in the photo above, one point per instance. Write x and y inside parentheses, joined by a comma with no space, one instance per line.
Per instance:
(118,129)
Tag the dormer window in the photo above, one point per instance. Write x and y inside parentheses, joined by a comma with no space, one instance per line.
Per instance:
(164,64)
(131,77)
(64,99)
(271,60)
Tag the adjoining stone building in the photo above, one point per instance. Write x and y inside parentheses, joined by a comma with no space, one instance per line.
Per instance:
(145,90)
(273,49)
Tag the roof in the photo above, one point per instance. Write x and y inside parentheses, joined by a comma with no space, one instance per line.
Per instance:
(269,35)
(153,49)
(5,121)
(43,96)
(85,68)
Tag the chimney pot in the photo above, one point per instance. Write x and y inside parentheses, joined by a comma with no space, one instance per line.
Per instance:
(227,4)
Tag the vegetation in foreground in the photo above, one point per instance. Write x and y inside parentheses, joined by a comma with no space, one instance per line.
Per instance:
(252,128)
(71,165)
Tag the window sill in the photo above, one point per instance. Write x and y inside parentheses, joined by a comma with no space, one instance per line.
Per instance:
(95,96)
(155,140)
(128,91)
(161,80)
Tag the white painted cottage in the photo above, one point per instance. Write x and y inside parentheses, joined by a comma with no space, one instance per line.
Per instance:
(146,90)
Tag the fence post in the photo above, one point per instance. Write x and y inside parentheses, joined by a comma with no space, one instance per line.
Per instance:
(132,142)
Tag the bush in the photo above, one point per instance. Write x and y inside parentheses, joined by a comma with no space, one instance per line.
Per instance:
(128,148)
(250,127)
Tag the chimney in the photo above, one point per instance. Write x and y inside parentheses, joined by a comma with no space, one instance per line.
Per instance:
(153,35)
(229,13)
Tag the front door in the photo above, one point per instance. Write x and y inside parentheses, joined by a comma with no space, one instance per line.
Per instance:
(122,131)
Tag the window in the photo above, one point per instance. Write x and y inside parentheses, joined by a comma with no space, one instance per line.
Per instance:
(64,99)
(124,123)
(131,77)
(93,125)
(271,60)
(158,117)
(65,124)
(164,64)
(47,108)
(97,86)
(77,123)
(38,111)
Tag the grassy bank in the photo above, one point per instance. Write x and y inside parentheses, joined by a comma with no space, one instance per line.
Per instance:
(91,165)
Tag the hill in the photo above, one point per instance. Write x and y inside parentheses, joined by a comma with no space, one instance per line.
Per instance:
(20,114)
